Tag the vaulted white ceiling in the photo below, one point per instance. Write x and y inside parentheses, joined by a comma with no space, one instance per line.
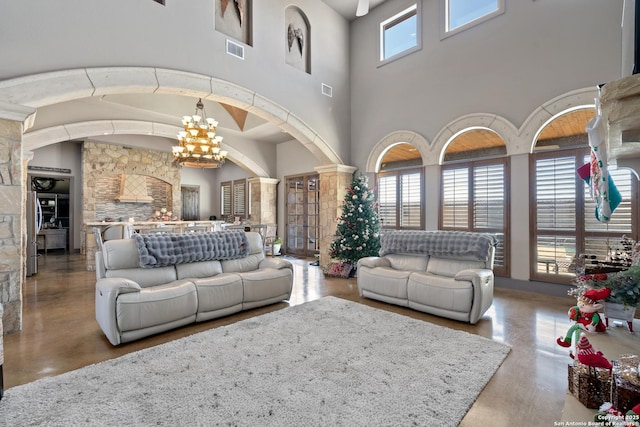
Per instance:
(168,109)
(347,8)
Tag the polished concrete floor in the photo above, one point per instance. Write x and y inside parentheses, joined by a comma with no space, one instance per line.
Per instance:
(60,334)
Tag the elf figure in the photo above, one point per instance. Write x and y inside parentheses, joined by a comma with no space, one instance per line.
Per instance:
(586,316)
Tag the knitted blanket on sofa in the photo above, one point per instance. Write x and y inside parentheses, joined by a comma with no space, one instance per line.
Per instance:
(160,250)
(454,244)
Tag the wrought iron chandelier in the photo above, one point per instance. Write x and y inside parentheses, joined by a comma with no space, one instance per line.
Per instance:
(198,146)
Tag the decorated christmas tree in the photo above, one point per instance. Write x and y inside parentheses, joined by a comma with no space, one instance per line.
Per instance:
(358,232)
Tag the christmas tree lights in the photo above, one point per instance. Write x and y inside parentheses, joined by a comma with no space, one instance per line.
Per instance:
(358,232)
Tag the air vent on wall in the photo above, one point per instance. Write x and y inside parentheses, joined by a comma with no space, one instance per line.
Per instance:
(327,90)
(234,49)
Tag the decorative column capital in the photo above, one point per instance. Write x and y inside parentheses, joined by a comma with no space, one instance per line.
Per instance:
(336,168)
(263,180)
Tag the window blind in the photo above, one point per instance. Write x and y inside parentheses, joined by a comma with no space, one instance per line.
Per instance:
(488,197)
(474,199)
(239,198)
(411,190)
(387,200)
(556,193)
(225,198)
(455,198)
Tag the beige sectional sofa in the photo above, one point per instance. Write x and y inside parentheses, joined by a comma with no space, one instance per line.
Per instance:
(446,273)
(134,301)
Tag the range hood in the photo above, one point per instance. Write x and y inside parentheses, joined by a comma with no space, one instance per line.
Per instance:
(133,189)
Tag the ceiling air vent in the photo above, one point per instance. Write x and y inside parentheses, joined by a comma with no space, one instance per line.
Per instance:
(327,90)
(235,49)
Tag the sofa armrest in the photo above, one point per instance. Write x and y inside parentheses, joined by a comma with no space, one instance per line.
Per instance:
(482,282)
(373,262)
(276,263)
(116,285)
(107,291)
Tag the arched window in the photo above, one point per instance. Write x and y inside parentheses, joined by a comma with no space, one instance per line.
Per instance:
(563,212)
(400,184)
(475,188)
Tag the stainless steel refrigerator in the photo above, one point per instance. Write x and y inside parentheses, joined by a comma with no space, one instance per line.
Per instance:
(34,224)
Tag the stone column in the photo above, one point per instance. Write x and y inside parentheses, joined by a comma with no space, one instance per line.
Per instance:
(1,355)
(334,179)
(263,192)
(14,119)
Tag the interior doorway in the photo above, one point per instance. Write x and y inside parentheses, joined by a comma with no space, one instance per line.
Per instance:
(54,196)
(302,207)
(190,202)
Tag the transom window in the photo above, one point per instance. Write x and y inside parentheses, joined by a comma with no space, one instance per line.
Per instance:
(399,34)
(462,14)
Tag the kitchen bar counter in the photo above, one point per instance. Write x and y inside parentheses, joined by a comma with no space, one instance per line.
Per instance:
(168,226)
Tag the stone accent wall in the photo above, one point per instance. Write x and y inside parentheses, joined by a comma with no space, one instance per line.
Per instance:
(101,161)
(12,216)
(334,180)
(108,188)
(264,193)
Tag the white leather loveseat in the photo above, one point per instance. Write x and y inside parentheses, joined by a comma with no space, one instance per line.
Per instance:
(172,290)
(446,273)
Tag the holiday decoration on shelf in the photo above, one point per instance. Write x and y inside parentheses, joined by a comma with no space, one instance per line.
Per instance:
(358,232)
(596,174)
(163,215)
(585,315)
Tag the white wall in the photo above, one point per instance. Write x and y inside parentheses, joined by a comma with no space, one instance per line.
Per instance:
(41,36)
(507,66)
(206,181)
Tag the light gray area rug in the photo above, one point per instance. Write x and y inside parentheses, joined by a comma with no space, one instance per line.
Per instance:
(328,362)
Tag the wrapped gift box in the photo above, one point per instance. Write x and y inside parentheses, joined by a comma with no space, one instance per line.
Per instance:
(591,386)
(626,384)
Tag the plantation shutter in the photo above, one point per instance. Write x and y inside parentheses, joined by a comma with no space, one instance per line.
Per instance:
(387,198)
(555,207)
(239,198)
(489,206)
(474,199)
(455,198)
(603,238)
(488,197)
(400,199)
(411,191)
(225,198)
(556,193)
